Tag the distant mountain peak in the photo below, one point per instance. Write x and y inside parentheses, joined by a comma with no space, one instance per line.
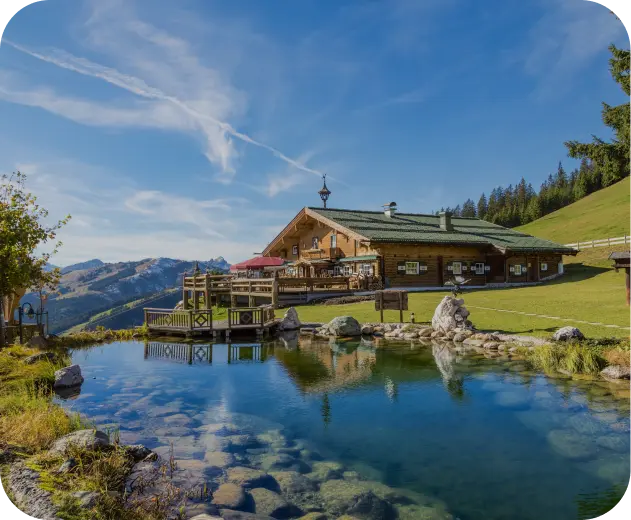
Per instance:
(89,264)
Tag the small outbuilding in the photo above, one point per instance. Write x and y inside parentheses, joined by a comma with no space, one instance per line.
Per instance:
(621,261)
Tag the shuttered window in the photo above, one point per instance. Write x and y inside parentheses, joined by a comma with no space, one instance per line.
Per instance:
(411,267)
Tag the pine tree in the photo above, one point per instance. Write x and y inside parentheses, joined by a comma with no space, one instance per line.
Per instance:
(482,208)
(611,159)
(468,208)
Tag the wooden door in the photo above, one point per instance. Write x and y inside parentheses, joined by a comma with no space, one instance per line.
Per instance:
(497,266)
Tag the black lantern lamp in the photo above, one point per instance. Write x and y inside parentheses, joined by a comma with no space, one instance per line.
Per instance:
(30,315)
(324,192)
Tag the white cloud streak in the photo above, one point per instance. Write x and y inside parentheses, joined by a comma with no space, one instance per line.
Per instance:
(220,143)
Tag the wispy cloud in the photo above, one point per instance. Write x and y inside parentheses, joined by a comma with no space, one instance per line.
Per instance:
(115,220)
(414,96)
(182,91)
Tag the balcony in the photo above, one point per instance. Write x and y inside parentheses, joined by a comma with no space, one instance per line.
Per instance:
(325,253)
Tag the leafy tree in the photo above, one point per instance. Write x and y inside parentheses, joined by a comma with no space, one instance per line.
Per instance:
(612,159)
(23,230)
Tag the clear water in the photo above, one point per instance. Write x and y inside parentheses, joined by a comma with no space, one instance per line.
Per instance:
(488,438)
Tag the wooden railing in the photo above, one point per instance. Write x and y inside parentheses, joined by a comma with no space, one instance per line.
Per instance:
(253,286)
(214,283)
(330,253)
(247,317)
(12,332)
(603,242)
(312,284)
(179,319)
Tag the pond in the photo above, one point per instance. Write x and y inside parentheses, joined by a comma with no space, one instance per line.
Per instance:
(454,434)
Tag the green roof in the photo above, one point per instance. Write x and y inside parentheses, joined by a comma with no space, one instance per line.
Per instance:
(358,258)
(419,228)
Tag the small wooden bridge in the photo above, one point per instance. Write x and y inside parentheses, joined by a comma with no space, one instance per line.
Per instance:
(192,322)
(252,303)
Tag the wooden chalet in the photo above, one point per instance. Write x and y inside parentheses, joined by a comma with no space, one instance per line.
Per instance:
(412,250)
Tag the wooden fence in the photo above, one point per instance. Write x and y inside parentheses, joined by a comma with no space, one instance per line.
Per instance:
(312,284)
(185,320)
(249,317)
(604,242)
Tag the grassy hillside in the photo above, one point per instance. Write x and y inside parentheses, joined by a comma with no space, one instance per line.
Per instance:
(603,214)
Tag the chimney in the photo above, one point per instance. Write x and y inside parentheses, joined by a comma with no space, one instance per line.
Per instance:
(390,209)
(445,221)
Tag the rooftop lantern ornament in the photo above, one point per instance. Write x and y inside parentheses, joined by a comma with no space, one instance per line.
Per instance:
(324,192)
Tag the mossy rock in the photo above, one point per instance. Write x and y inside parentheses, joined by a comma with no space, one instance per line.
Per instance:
(347,497)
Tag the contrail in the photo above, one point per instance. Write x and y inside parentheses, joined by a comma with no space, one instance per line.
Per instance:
(140,88)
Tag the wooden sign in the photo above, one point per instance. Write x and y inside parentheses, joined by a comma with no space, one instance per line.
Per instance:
(391,300)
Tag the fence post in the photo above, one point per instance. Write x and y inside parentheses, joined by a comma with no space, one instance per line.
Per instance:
(578,245)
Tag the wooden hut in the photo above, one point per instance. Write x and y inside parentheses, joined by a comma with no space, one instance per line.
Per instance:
(621,261)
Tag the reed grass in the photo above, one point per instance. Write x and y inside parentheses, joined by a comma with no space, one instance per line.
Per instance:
(100,335)
(586,357)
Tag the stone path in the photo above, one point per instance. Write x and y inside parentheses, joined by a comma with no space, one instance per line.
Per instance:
(572,320)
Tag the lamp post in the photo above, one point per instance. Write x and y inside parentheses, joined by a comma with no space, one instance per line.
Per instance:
(30,313)
(324,192)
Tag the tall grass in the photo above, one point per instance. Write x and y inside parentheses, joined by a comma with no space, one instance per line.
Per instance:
(101,335)
(575,358)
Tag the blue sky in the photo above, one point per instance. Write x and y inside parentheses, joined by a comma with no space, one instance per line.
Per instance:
(199,128)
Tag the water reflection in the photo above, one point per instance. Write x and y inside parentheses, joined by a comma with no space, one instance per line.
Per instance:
(528,445)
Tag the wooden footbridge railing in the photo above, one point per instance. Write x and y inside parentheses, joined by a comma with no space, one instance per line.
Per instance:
(251,317)
(189,320)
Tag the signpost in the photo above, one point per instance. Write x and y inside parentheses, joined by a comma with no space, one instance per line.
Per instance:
(390,299)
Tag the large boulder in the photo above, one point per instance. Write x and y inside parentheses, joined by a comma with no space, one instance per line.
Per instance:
(344,326)
(68,377)
(290,320)
(615,372)
(450,314)
(85,439)
(567,334)
(25,486)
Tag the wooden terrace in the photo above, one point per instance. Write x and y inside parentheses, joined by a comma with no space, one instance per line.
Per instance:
(251,301)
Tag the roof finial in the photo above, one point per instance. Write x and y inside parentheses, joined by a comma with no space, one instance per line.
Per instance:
(324,192)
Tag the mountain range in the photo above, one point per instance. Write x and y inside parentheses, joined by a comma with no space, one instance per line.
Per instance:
(93,287)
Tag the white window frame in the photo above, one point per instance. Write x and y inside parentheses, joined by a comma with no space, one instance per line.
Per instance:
(517,269)
(411,268)
(337,270)
(458,269)
(479,268)
(348,270)
(366,269)
(294,250)
(315,243)
(544,266)
(333,241)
